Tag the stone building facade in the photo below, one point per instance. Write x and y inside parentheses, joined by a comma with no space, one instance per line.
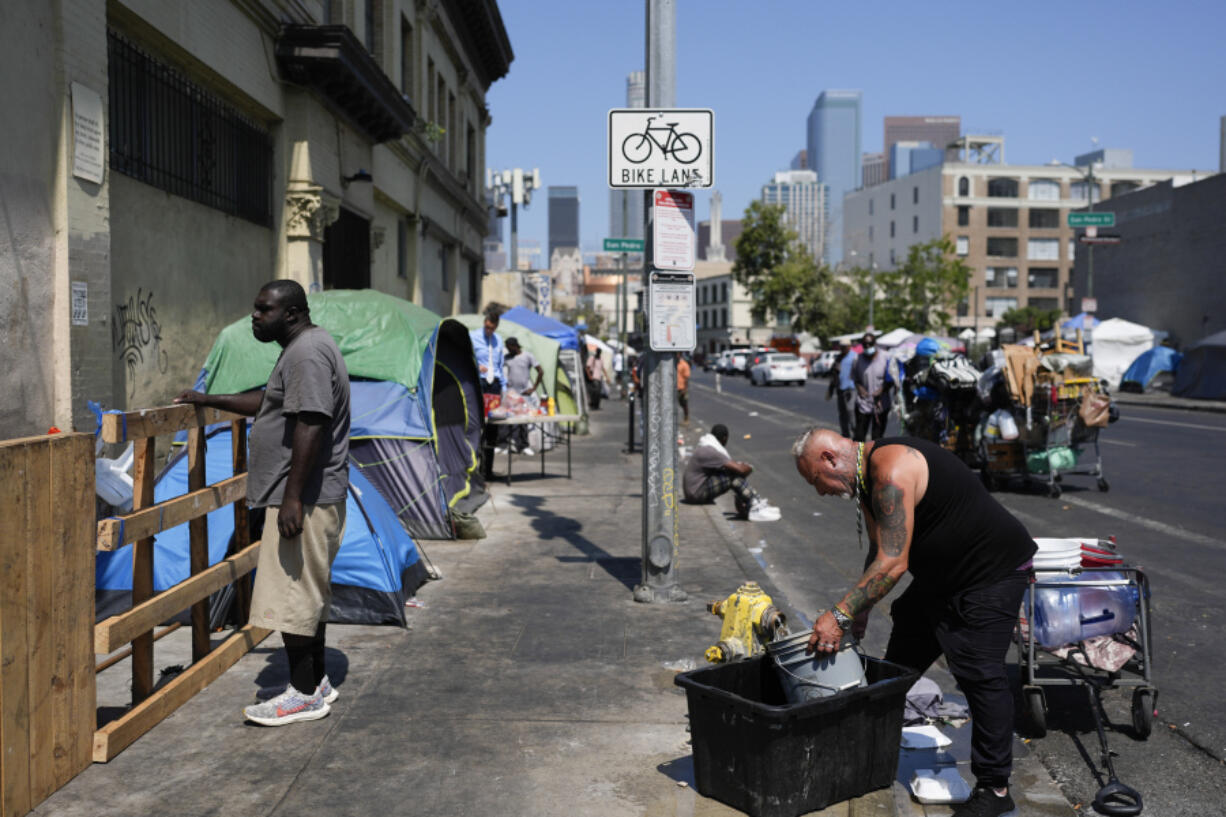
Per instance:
(339,143)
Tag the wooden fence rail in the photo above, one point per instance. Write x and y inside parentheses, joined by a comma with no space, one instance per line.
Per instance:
(149,609)
(47,692)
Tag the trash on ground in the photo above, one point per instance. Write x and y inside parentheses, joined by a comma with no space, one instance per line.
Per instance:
(755,550)
(753,414)
(748,436)
(413,601)
(923,737)
(681,665)
(939,786)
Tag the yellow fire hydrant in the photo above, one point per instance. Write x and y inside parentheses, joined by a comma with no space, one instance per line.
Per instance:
(750,620)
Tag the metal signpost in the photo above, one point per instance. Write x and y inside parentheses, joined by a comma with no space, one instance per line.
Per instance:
(659,148)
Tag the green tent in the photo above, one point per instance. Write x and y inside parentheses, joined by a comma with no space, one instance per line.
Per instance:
(545,350)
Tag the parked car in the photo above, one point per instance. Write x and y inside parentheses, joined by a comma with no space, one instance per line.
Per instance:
(778,367)
(823,363)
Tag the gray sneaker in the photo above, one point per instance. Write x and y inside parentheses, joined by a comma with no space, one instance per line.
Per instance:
(288,707)
(328,691)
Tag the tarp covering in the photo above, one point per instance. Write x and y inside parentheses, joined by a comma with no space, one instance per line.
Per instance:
(377,568)
(1202,372)
(1083,321)
(565,335)
(1147,366)
(893,338)
(1117,343)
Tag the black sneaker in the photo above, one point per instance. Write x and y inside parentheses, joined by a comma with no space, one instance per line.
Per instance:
(985,803)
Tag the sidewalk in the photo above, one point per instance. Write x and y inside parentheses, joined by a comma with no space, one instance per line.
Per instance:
(530,683)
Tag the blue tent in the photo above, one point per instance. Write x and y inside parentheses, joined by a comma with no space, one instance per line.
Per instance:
(377,568)
(567,336)
(1079,322)
(1148,365)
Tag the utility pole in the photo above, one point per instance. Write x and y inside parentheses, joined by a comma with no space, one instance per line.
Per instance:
(661,482)
(1090,247)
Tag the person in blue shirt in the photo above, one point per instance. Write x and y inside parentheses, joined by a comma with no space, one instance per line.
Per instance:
(845,386)
(487,350)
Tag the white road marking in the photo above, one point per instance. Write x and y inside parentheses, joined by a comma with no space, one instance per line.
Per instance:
(1116,442)
(1152,524)
(809,420)
(1172,423)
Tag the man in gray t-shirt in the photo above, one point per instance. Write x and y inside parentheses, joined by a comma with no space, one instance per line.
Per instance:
(299,473)
(520,366)
(710,472)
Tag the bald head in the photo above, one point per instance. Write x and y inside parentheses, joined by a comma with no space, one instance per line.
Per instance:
(826,461)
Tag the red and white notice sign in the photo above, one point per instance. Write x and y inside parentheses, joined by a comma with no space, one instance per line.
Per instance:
(673,235)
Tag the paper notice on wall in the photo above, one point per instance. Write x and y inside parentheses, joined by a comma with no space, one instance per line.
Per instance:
(80,303)
(88,158)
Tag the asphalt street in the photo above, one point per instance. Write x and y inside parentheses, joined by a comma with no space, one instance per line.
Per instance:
(1163,507)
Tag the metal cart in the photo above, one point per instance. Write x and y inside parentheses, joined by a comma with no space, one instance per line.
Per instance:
(1040,668)
(1058,406)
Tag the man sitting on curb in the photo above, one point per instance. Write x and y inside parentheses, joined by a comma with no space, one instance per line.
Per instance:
(710,472)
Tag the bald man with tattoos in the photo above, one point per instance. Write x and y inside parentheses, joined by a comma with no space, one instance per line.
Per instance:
(927,513)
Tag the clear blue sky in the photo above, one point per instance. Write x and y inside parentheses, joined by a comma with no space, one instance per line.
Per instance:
(1050,75)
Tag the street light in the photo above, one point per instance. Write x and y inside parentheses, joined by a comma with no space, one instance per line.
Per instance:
(1087,175)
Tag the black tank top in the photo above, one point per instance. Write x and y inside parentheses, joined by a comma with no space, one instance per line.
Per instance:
(963,538)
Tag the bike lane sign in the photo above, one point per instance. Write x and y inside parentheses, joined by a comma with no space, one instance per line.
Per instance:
(661,147)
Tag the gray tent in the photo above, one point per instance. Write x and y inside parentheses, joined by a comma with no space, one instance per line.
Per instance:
(1202,372)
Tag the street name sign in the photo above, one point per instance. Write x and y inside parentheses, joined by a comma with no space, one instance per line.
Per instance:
(1091,219)
(671,313)
(1089,306)
(654,147)
(623,245)
(673,237)
(1098,239)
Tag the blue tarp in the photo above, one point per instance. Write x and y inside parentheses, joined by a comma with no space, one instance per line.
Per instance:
(1151,363)
(567,336)
(377,568)
(1079,322)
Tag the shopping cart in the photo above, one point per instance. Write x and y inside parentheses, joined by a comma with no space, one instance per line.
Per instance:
(1063,446)
(1091,602)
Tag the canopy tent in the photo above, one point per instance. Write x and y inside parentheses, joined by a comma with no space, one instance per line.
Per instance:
(1202,372)
(545,349)
(377,567)
(891,339)
(565,335)
(416,407)
(1117,343)
(1149,365)
(1083,321)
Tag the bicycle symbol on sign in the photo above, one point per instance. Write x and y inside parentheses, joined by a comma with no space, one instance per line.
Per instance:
(684,147)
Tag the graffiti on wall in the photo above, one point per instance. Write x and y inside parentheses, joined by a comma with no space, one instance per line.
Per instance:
(136,336)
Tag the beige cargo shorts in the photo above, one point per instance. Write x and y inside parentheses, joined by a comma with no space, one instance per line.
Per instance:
(293,578)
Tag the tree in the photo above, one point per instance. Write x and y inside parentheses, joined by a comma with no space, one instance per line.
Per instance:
(1026,319)
(924,291)
(763,246)
(780,273)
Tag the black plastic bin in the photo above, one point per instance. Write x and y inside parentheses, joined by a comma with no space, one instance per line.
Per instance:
(756,752)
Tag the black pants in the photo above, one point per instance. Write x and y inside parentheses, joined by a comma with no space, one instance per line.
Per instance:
(973,631)
(876,418)
(847,409)
(489,437)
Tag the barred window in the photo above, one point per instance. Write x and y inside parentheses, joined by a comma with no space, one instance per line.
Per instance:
(170,133)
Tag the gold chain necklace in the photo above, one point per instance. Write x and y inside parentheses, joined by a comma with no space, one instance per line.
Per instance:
(857,492)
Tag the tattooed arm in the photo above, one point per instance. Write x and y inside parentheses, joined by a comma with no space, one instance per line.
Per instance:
(895,479)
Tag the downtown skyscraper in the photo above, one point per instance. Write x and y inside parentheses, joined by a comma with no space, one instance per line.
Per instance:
(832,149)
(563,218)
(803,199)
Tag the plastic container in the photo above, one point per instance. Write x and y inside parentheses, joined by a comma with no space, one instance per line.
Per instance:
(806,676)
(1066,615)
(757,753)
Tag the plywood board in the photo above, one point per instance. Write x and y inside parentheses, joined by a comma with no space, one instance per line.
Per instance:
(14,680)
(116,736)
(41,640)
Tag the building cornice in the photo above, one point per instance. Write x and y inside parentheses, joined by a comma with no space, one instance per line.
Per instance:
(479,27)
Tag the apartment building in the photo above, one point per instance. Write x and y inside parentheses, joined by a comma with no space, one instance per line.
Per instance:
(171,157)
(725,310)
(1009,224)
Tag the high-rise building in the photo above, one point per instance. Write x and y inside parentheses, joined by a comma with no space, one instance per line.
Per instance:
(626,206)
(803,199)
(563,217)
(939,130)
(800,161)
(872,169)
(906,158)
(833,151)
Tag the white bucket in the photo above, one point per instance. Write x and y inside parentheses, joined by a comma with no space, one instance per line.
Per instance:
(806,677)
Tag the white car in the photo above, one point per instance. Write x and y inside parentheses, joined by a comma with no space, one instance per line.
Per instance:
(823,363)
(778,367)
(737,360)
